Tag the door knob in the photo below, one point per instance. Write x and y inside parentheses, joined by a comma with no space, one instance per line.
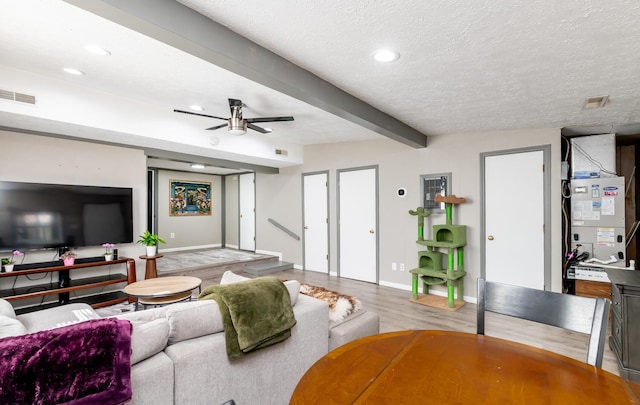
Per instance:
(371,231)
(306,227)
(490,237)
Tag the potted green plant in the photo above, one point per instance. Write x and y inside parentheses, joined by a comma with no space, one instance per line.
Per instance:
(151,241)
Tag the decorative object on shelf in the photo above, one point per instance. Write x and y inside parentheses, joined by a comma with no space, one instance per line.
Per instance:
(68,257)
(430,270)
(108,251)
(9,262)
(189,198)
(150,241)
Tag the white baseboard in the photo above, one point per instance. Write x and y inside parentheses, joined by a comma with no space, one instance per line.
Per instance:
(433,291)
(182,249)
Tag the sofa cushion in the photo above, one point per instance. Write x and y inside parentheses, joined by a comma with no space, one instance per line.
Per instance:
(148,338)
(11,327)
(293,286)
(193,319)
(6,309)
(56,317)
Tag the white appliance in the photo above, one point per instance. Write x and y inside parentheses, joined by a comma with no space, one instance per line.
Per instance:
(597,220)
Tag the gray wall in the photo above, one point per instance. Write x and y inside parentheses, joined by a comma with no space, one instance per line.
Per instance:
(203,231)
(279,197)
(40,159)
(232,215)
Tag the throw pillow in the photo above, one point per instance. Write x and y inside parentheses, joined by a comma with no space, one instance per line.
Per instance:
(11,327)
(6,309)
(189,320)
(293,286)
(148,338)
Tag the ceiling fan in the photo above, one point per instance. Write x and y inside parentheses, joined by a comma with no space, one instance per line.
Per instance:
(236,124)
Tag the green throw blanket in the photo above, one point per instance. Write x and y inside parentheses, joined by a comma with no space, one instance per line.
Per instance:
(255,313)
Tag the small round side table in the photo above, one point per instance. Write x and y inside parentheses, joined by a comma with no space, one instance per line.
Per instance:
(150,269)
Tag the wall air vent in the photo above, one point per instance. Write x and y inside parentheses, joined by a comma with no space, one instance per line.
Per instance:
(282,152)
(19,97)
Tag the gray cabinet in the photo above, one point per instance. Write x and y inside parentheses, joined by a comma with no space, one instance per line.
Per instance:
(625,321)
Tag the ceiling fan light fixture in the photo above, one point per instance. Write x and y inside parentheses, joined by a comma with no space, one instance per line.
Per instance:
(386,55)
(237,126)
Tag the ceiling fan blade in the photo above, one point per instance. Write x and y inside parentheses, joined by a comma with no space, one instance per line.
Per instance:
(202,115)
(269,119)
(257,128)
(218,126)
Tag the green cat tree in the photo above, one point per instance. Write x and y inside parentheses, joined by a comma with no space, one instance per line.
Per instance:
(451,237)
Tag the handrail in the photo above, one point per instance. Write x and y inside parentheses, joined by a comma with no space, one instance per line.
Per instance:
(287,231)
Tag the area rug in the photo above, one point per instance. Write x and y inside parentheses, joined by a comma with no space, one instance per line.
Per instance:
(186,260)
(340,305)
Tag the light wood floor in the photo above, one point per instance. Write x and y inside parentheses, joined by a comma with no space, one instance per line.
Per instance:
(398,313)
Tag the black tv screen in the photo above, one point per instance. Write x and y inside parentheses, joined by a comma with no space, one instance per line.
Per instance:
(39,216)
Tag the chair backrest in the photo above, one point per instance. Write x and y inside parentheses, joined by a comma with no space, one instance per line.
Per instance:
(579,314)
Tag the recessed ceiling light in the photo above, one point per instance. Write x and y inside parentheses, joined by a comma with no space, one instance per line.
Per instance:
(386,55)
(73,71)
(196,107)
(197,166)
(97,50)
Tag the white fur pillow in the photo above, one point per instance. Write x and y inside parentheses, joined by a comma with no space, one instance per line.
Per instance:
(293,286)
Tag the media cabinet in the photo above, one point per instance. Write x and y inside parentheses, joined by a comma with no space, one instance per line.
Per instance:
(67,284)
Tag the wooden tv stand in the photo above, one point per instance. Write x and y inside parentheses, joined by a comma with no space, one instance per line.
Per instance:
(66,284)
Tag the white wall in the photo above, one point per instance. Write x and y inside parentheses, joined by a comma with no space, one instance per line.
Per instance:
(279,197)
(40,159)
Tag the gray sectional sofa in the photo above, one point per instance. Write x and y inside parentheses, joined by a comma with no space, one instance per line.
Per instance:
(179,352)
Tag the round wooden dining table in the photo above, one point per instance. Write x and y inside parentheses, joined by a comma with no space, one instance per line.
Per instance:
(443,367)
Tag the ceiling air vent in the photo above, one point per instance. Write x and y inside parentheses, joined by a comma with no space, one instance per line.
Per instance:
(19,97)
(595,102)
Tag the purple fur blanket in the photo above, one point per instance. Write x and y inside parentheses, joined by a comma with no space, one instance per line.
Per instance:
(85,363)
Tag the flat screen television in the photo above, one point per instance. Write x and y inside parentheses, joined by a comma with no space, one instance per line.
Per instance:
(41,216)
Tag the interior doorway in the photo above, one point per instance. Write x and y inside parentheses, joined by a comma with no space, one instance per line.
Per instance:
(516,210)
(358,223)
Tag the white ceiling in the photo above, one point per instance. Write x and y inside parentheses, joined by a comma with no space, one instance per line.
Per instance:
(464,66)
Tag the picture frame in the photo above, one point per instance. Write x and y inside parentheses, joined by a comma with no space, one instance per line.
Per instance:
(189,198)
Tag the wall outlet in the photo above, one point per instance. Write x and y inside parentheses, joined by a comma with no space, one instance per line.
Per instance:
(394,266)
(401,266)
(172,235)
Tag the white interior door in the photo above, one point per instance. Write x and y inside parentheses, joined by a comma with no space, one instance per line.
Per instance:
(357,222)
(316,222)
(247,199)
(514,219)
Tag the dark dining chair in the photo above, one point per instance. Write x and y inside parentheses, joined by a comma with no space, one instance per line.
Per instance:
(578,314)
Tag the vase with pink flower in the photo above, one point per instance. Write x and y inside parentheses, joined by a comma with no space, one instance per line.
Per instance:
(68,257)
(108,251)
(10,261)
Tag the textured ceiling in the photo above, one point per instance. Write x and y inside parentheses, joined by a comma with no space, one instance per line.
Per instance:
(464,66)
